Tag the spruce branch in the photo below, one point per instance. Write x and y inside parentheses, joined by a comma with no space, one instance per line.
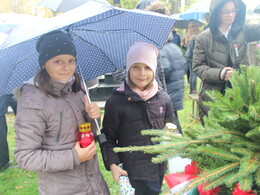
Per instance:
(217,182)
(216,152)
(257,177)
(209,176)
(165,156)
(242,151)
(248,166)
(246,182)
(232,178)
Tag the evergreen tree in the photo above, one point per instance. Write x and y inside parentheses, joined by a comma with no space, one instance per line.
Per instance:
(227,149)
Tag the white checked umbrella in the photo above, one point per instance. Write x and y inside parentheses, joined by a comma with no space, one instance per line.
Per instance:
(62,5)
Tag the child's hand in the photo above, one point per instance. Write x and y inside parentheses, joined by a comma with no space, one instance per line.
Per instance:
(86,153)
(92,109)
(117,172)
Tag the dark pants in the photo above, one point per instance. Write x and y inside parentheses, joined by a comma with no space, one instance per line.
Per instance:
(178,122)
(146,188)
(192,79)
(5,101)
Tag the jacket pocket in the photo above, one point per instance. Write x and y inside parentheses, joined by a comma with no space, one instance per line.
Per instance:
(59,127)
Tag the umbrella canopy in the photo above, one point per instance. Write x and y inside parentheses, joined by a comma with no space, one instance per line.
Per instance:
(9,21)
(196,11)
(62,5)
(183,24)
(102,35)
(3,36)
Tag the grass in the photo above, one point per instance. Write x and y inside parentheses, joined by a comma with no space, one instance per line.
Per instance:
(16,181)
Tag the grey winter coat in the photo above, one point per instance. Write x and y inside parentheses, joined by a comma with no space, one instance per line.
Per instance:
(213,51)
(126,114)
(46,133)
(174,67)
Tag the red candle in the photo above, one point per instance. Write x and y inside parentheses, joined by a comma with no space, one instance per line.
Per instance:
(85,135)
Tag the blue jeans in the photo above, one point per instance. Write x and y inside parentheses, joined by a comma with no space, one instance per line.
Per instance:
(146,188)
(192,78)
(5,101)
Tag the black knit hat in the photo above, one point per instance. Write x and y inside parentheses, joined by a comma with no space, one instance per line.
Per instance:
(53,44)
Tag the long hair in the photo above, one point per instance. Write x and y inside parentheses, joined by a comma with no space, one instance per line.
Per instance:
(193,28)
(43,81)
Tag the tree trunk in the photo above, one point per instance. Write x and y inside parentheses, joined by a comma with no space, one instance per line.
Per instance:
(16,6)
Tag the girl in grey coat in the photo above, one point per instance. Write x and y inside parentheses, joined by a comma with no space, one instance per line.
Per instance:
(51,107)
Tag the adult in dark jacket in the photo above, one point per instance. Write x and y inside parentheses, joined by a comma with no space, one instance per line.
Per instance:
(5,101)
(136,105)
(222,47)
(174,66)
(176,39)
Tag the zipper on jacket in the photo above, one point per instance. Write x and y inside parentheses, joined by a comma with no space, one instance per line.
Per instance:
(148,113)
(59,129)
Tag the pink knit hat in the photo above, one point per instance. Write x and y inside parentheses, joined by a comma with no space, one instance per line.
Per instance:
(141,52)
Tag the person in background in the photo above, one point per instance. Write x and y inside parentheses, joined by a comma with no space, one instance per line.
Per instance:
(206,17)
(50,109)
(184,45)
(136,105)
(193,31)
(175,38)
(221,48)
(144,3)
(173,65)
(5,102)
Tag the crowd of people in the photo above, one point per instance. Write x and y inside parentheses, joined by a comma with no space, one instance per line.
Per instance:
(51,105)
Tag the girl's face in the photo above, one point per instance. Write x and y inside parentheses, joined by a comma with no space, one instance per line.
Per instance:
(141,75)
(61,68)
(228,13)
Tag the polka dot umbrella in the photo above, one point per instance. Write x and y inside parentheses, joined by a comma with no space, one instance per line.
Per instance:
(102,35)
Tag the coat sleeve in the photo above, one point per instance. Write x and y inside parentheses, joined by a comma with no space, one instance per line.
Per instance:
(199,64)
(111,130)
(170,116)
(165,62)
(30,128)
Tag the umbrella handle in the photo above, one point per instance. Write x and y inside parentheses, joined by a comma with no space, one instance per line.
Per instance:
(100,136)
(87,94)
